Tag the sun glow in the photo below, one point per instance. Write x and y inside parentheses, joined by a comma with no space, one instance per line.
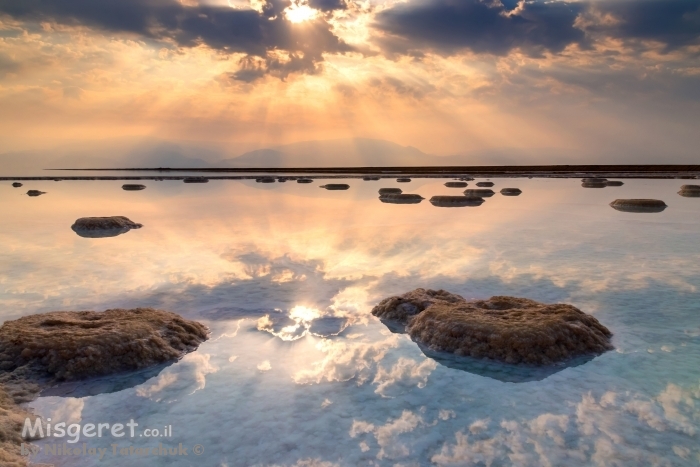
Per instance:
(300,11)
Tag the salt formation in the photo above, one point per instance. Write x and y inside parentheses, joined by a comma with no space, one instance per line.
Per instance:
(511,191)
(403,180)
(614,183)
(401,198)
(133,187)
(508,329)
(305,180)
(456,201)
(484,184)
(456,184)
(335,186)
(16,184)
(100,227)
(594,180)
(35,193)
(596,184)
(12,419)
(71,345)
(195,180)
(387,191)
(483,192)
(690,191)
(38,351)
(638,205)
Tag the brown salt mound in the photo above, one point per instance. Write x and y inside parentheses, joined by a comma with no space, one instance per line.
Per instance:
(456,184)
(335,186)
(388,191)
(511,191)
(72,345)
(508,329)
(480,192)
(133,187)
(690,191)
(11,422)
(484,184)
(456,201)
(38,351)
(638,205)
(401,198)
(98,227)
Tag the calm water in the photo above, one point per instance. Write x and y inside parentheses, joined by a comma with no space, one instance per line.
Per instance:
(298,373)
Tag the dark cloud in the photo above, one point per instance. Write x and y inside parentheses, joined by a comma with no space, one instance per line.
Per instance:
(225,29)
(328,5)
(449,26)
(674,23)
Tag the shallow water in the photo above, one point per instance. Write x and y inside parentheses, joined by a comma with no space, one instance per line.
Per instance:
(298,372)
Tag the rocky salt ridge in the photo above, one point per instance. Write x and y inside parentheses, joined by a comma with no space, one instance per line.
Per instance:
(40,351)
(507,329)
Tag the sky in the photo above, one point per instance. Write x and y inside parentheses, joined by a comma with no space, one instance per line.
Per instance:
(548,81)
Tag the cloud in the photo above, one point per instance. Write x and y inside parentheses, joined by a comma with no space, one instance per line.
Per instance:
(406,374)
(183,378)
(387,435)
(604,429)
(262,34)
(346,360)
(674,23)
(447,26)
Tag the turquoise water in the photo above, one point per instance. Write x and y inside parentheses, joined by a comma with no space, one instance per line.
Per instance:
(298,373)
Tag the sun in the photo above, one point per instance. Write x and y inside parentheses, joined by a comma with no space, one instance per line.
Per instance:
(299,11)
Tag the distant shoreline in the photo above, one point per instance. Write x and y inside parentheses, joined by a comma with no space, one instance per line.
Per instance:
(539,171)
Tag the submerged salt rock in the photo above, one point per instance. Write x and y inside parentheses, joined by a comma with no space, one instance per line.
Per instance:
(98,227)
(16,184)
(403,180)
(480,192)
(456,201)
(614,183)
(401,198)
(389,191)
(638,205)
(35,193)
(133,187)
(511,191)
(690,191)
(72,345)
(602,184)
(304,180)
(456,184)
(508,329)
(484,184)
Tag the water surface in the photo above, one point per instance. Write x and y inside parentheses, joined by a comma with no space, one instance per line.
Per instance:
(298,372)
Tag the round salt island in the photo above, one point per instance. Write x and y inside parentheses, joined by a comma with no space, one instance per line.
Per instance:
(638,205)
(507,329)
